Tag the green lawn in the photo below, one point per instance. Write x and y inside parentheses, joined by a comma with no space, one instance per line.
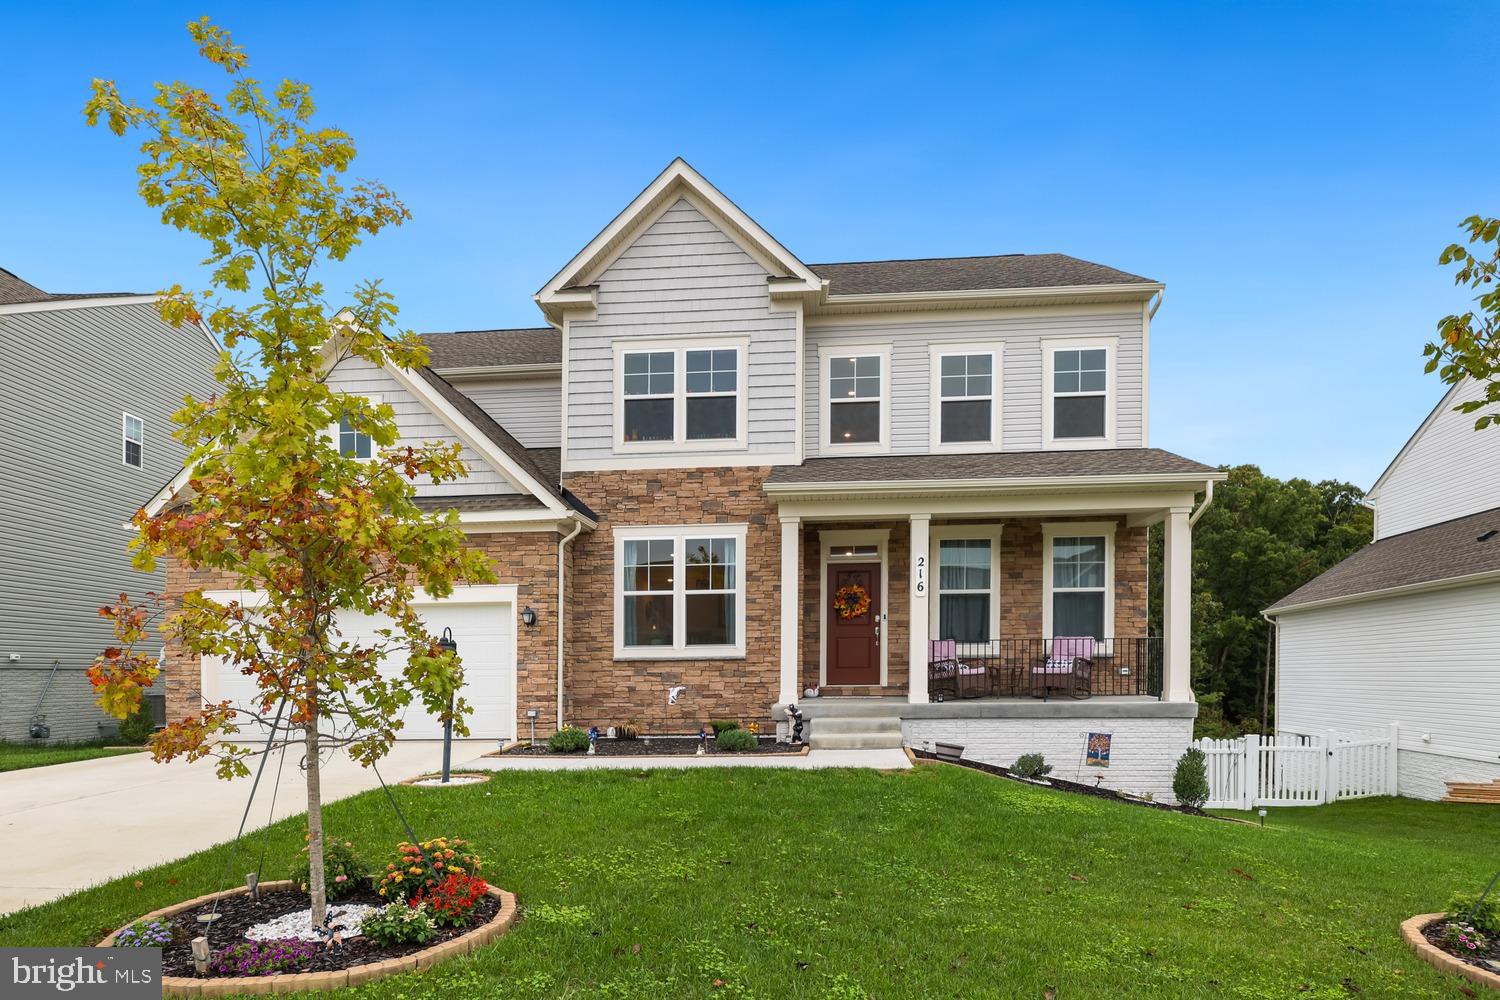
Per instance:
(15,756)
(939,882)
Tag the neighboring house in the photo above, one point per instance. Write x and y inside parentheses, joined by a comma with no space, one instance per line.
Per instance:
(748,476)
(88,384)
(1406,630)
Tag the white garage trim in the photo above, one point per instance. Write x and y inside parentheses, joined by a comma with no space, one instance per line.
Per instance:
(504,597)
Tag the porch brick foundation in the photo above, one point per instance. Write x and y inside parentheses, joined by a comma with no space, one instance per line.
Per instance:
(604,691)
(1426,775)
(1143,755)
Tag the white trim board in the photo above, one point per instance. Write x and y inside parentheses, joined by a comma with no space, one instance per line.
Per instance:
(827,540)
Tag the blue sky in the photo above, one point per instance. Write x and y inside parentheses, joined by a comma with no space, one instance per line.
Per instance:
(1291,171)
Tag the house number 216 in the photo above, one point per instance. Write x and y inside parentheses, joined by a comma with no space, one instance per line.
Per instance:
(919,576)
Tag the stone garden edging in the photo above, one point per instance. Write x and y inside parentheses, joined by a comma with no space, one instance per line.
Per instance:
(1430,953)
(223,986)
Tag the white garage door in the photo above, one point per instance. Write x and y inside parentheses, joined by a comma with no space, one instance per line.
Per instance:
(483,624)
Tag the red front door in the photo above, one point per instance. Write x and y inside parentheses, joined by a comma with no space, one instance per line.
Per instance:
(853,623)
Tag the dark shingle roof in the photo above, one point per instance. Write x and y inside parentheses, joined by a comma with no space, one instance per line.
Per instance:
(15,291)
(486,348)
(992,465)
(1432,554)
(490,501)
(950,274)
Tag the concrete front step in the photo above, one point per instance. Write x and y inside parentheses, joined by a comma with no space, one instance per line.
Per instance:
(855,741)
(857,724)
(825,708)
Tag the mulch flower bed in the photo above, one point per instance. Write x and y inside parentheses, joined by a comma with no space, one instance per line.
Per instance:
(660,746)
(1486,958)
(237,914)
(1067,786)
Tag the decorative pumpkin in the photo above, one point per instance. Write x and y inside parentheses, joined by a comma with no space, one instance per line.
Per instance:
(851,601)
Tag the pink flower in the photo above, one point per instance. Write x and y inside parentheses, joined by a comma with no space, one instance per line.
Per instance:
(342,878)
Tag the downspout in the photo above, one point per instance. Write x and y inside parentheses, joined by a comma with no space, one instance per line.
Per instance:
(562,548)
(1208,499)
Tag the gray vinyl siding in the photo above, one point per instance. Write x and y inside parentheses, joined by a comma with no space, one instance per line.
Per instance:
(1449,470)
(1023,337)
(684,277)
(531,409)
(66,376)
(417,424)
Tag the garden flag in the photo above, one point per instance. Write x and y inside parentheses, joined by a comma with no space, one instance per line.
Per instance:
(1098,752)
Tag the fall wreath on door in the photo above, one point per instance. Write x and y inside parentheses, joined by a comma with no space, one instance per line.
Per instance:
(851,601)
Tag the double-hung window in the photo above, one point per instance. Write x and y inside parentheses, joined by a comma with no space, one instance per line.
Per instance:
(353,443)
(856,400)
(1080,407)
(1079,575)
(681,396)
(965,573)
(965,398)
(680,592)
(133,434)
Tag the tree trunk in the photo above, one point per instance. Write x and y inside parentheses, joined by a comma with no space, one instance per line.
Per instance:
(316,889)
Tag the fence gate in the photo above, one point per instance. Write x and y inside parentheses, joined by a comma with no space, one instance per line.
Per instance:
(1299,770)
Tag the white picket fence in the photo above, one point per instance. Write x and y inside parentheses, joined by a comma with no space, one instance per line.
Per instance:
(1299,770)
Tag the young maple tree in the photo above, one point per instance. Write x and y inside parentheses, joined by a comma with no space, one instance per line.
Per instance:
(272,504)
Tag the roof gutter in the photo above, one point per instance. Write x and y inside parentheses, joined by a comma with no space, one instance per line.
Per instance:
(1208,499)
(989,485)
(1448,583)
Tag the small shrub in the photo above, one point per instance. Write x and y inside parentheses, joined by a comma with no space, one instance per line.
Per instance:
(451,902)
(344,872)
(630,729)
(1462,939)
(736,741)
(137,727)
(721,726)
(1032,766)
(414,869)
(146,934)
(264,958)
(399,923)
(1190,783)
(569,740)
(1486,917)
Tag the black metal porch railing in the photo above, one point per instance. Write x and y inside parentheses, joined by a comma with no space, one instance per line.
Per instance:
(1042,668)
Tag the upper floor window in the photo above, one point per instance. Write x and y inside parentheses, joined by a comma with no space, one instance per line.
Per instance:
(680,592)
(681,396)
(965,398)
(353,443)
(856,401)
(133,433)
(1080,407)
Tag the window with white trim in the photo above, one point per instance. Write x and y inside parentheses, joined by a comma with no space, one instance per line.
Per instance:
(1080,578)
(650,396)
(133,435)
(964,585)
(680,591)
(712,394)
(681,396)
(855,399)
(1080,393)
(965,403)
(354,443)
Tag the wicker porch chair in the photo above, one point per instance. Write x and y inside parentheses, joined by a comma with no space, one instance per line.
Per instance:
(1068,667)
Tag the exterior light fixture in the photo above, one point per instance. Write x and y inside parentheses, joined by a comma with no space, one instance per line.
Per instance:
(528,617)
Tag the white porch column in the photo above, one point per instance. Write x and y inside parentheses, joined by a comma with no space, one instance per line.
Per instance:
(921,583)
(1177,606)
(791,606)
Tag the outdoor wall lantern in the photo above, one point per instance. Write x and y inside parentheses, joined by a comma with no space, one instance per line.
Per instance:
(528,617)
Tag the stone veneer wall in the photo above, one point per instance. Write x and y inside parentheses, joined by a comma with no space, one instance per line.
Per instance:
(1143,753)
(526,559)
(1020,586)
(604,691)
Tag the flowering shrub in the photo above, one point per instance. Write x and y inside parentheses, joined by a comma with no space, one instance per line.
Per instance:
(415,869)
(344,871)
(1461,938)
(452,900)
(1483,914)
(264,958)
(398,923)
(145,934)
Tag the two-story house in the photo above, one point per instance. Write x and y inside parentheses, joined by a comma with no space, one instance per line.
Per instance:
(921,488)
(88,386)
(1405,630)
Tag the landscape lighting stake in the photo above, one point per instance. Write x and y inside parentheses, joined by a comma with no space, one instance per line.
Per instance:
(448,645)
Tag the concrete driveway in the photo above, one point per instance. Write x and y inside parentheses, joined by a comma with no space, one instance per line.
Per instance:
(96,820)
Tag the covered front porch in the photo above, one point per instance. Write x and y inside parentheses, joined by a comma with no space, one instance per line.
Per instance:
(977,591)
